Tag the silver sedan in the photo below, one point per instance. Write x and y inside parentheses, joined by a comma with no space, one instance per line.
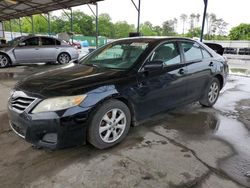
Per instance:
(36,49)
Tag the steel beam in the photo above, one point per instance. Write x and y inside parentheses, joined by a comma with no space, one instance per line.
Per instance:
(20,26)
(49,24)
(11,30)
(32,24)
(96,15)
(204,19)
(138,8)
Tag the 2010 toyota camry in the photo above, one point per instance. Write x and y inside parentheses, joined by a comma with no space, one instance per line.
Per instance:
(113,88)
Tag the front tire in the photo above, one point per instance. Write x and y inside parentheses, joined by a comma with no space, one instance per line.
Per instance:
(63,58)
(109,124)
(211,94)
(4,61)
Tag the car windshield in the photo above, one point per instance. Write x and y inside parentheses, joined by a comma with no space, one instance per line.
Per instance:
(15,41)
(118,55)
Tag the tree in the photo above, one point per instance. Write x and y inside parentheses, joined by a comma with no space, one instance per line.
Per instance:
(221,27)
(122,29)
(157,29)
(196,32)
(184,20)
(168,28)
(192,21)
(106,27)
(147,29)
(197,16)
(240,32)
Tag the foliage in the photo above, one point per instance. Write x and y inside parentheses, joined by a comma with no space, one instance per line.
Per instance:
(195,32)
(241,32)
(84,24)
(168,28)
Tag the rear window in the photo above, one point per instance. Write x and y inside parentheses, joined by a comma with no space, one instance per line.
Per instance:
(192,51)
(48,41)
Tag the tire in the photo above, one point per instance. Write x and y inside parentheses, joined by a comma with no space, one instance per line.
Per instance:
(103,125)
(4,61)
(63,58)
(211,93)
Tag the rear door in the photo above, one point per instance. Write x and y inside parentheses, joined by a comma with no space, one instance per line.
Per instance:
(198,62)
(161,89)
(48,51)
(29,53)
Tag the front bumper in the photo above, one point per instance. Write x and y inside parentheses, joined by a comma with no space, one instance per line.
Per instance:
(51,129)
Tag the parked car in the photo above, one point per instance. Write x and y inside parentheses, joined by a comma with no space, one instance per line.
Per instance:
(114,87)
(76,44)
(36,49)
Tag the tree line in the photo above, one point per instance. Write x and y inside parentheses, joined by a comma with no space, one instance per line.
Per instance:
(84,24)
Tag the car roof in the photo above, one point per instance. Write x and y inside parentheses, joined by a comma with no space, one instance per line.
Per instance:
(154,39)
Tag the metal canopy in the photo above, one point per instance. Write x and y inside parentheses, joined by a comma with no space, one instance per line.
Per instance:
(13,9)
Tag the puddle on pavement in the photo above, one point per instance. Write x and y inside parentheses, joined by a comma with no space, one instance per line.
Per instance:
(200,125)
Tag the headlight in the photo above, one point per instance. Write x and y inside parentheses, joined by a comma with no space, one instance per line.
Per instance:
(59,103)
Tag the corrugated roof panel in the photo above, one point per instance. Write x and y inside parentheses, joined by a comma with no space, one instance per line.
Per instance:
(11,9)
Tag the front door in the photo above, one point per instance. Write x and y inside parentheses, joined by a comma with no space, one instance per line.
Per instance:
(29,52)
(160,90)
(48,49)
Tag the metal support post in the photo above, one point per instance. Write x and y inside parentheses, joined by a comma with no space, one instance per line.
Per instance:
(96,25)
(11,30)
(204,19)
(71,23)
(138,8)
(96,15)
(49,24)
(32,24)
(20,26)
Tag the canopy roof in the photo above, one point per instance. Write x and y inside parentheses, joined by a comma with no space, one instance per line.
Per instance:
(11,9)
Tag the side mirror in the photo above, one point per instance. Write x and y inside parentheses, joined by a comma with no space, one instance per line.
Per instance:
(154,65)
(21,44)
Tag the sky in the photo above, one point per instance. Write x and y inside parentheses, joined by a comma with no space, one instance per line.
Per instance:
(233,12)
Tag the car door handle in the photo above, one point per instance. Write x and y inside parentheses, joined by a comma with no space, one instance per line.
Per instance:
(182,71)
(211,64)
(37,49)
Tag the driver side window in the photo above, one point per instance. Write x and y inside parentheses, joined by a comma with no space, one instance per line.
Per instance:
(34,41)
(168,53)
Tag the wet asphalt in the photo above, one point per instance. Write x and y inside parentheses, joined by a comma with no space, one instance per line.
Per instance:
(189,146)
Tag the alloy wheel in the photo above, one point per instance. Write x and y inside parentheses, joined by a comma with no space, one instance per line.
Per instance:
(213,92)
(64,58)
(112,125)
(3,61)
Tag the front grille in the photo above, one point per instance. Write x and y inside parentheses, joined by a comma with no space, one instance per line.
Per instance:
(19,101)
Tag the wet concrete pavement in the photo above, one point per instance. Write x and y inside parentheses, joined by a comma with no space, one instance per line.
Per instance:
(186,147)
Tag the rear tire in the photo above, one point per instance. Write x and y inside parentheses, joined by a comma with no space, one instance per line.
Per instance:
(4,61)
(63,58)
(211,93)
(109,124)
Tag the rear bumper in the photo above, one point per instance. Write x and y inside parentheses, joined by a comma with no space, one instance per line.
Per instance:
(51,130)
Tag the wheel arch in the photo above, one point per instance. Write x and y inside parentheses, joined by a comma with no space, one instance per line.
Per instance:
(221,80)
(122,99)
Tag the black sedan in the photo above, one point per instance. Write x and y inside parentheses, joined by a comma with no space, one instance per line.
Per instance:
(113,88)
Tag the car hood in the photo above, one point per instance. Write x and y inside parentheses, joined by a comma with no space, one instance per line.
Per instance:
(72,79)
